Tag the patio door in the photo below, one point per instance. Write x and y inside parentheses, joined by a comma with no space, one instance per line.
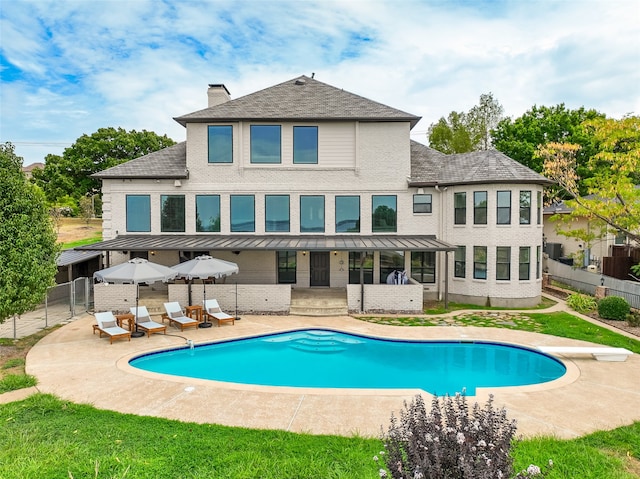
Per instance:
(319,268)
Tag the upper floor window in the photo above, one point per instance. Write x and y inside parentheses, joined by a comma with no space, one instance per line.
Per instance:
(384,213)
(423,266)
(220,143)
(312,214)
(460,262)
(243,213)
(208,213)
(480,262)
(305,144)
(172,213)
(347,214)
(265,144)
(538,257)
(422,203)
(539,206)
(503,214)
(276,213)
(503,262)
(480,207)
(525,207)
(460,208)
(138,213)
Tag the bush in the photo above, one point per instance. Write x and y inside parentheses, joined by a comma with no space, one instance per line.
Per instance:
(634,319)
(613,307)
(582,303)
(451,441)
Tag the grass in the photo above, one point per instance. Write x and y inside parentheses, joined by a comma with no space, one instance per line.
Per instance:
(45,437)
(438,307)
(82,242)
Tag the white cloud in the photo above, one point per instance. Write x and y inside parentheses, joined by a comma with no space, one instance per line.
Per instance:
(71,67)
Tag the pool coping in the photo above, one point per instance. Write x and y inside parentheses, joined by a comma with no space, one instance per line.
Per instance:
(75,365)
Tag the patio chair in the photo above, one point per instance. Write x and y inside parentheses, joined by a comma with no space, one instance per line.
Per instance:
(144,321)
(212,310)
(177,317)
(107,324)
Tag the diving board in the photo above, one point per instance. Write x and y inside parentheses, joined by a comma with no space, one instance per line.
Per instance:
(599,353)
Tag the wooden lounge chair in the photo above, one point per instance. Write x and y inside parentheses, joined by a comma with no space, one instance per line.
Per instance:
(599,353)
(212,310)
(144,321)
(107,324)
(177,317)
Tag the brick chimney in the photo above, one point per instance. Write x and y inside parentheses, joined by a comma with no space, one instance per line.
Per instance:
(217,94)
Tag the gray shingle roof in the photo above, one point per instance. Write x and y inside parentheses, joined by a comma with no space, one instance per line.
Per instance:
(169,162)
(430,167)
(301,98)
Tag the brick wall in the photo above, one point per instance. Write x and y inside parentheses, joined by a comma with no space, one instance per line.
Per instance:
(114,297)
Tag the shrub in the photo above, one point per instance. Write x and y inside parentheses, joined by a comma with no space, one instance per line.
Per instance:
(451,441)
(634,319)
(582,303)
(613,307)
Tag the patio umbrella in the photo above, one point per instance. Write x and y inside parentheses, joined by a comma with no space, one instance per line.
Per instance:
(205,267)
(136,270)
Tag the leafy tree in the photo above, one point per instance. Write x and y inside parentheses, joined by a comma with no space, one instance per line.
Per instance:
(70,174)
(519,138)
(463,132)
(614,196)
(28,246)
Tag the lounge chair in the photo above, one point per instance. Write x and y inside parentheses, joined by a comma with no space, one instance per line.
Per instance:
(107,324)
(177,317)
(212,310)
(144,322)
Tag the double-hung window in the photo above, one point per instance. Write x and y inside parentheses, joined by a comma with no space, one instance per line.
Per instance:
(538,256)
(525,207)
(503,262)
(480,262)
(138,213)
(423,266)
(503,213)
(479,207)
(422,203)
(347,214)
(460,208)
(276,213)
(539,206)
(266,144)
(524,263)
(243,213)
(460,262)
(312,214)
(172,213)
(208,213)
(220,139)
(305,145)
(384,214)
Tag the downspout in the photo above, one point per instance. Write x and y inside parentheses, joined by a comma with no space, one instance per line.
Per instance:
(440,236)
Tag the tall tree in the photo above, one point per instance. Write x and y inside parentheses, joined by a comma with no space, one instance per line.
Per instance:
(519,138)
(614,196)
(28,246)
(70,174)
(463,132)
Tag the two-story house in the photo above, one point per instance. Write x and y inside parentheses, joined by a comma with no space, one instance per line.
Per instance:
(305,185)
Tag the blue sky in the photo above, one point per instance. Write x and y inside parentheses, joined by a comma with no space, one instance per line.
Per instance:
(70,67)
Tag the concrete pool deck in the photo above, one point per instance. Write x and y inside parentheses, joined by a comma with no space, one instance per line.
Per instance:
(74,364)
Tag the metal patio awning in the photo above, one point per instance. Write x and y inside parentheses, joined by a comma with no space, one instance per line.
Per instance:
(269,243)
(73,256)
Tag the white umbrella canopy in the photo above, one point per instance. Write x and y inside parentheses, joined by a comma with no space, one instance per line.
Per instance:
(205,267)
(136,270)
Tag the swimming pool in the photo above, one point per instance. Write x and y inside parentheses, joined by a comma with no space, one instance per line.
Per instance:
(321,358)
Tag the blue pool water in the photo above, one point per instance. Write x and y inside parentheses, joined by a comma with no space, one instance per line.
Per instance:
(329,359)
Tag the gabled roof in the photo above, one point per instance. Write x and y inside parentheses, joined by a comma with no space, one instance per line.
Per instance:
(430,167)
(301,98)
(170,162)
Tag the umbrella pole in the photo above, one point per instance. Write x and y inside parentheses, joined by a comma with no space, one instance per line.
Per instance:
(136,333)
(206,323)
